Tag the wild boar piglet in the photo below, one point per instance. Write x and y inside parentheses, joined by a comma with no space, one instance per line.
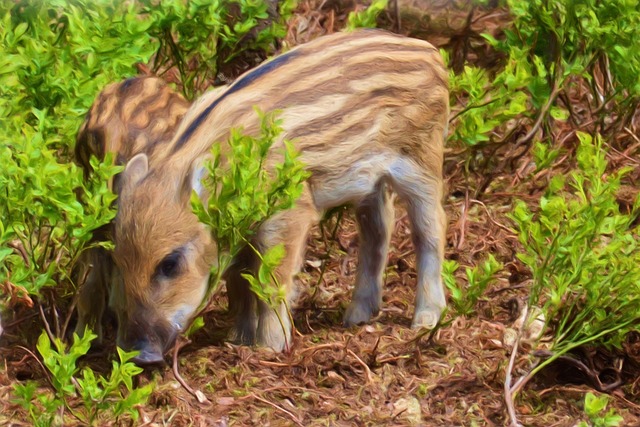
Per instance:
(138,115)
(368,111)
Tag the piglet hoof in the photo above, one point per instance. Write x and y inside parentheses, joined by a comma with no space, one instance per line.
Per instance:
(358,313)
(272,334)
(244,329)
(426,318)
(239,337)
(276,342)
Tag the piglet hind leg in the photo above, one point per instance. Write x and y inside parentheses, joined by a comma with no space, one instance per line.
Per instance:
(422,194)
(428,221)
(375,223)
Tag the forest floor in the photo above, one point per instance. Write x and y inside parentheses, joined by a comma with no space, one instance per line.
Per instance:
(384,373)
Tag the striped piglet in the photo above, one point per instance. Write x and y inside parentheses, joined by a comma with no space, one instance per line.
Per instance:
(368,111)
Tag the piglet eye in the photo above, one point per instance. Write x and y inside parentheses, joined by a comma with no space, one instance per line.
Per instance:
(170,266)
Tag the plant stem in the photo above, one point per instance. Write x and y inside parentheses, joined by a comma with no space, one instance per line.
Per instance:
(523,381)
(508,396)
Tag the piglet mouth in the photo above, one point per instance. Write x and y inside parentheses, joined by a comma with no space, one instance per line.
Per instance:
(152,350)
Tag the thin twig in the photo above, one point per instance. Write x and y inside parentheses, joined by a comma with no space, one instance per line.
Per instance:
(46,324)
(335,345)
(393,359)
(20,320)
(74,302)
(19,247)
(274,364)
(364,365)
(56,317)
(541,116)
(46,372)
(72,307)
(463,221)
(469,108)
(195,393)
(294,387)
(496,223)
(430,333)
(508,395)
(396,11)
(279,408)
(508,288)
(591,375)
(633,135)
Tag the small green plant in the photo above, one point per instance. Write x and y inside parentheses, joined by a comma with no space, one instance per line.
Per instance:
(42,216)
(462,299)
(244,190)
(102,398)
(594,407)
(584,256)
(491,101)
(422,391)
(366,18)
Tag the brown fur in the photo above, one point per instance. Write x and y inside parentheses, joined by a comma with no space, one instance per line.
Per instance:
(120,121)
(368,111)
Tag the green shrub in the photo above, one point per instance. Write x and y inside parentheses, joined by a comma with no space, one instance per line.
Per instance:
(54,57)
(576,37)
(102,398)
(584,256)
(201,37)
(551,48)
(243,192)
(491,101)
(366,18)
(40,211)
(464,299)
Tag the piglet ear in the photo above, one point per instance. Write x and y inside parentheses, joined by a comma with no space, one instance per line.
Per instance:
(137,168)
(196,177)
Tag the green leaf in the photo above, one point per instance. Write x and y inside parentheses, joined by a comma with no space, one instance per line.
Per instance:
(196,324)
(559,113)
